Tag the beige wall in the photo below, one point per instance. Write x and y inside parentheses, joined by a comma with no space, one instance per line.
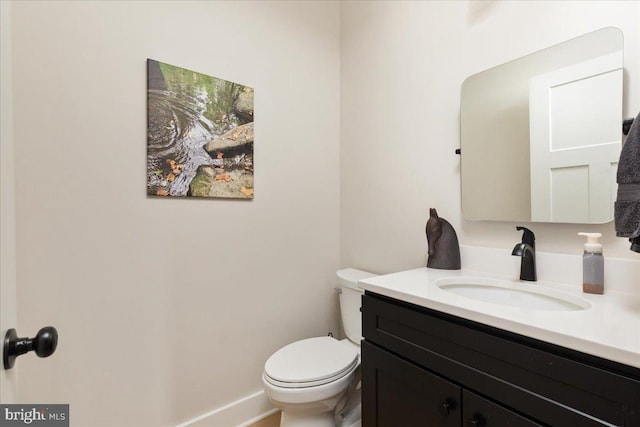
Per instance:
(167,309)
(403,64)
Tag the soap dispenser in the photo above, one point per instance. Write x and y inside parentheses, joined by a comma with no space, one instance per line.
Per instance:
(592,265)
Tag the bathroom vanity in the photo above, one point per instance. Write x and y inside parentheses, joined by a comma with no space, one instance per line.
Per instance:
(433,358)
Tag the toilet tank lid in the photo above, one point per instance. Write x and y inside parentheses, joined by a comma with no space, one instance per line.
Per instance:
(349,277)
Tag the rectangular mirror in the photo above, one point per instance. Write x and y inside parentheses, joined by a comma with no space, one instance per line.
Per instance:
(540,136)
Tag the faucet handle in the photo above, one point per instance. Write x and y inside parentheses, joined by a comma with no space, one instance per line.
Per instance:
(527,236)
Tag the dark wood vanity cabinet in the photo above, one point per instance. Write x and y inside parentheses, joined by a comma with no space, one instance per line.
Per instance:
(425,368)
(407,395)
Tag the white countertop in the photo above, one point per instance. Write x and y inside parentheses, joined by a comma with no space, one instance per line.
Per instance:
(610,328)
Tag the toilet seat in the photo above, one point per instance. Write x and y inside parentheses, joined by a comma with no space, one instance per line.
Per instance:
(310,362)
(304,384)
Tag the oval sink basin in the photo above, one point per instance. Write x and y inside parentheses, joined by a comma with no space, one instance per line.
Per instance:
(513,294)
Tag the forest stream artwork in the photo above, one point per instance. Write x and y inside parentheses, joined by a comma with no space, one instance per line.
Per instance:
(199,134)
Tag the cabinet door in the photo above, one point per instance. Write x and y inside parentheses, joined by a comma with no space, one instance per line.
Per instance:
(398,393)
(480,412)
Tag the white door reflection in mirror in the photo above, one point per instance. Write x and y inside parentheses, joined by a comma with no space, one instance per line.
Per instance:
(575,140)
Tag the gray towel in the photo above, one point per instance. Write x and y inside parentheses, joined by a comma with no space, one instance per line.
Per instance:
(627,206)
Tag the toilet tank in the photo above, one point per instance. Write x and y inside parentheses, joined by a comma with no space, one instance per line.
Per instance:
(351,301)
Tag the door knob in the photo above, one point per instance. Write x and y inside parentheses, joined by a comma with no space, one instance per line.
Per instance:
(44,344)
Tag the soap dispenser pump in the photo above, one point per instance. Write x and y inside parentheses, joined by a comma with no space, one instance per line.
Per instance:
(592,265)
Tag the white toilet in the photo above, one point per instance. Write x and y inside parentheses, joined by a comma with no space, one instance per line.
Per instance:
(315,381)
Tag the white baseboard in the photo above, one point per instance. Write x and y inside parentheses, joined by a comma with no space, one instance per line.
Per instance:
(259,418)
(241,413)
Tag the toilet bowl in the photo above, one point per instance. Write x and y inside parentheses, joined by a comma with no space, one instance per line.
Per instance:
(311,378)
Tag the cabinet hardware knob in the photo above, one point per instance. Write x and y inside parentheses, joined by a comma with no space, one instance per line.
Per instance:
(44,344)
(476,421)
(446,407)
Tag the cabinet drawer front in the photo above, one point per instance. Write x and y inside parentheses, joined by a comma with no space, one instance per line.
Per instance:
(558,390)
(398,393)
(478,411)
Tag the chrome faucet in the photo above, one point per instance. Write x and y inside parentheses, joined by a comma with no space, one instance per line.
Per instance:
(527,251)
